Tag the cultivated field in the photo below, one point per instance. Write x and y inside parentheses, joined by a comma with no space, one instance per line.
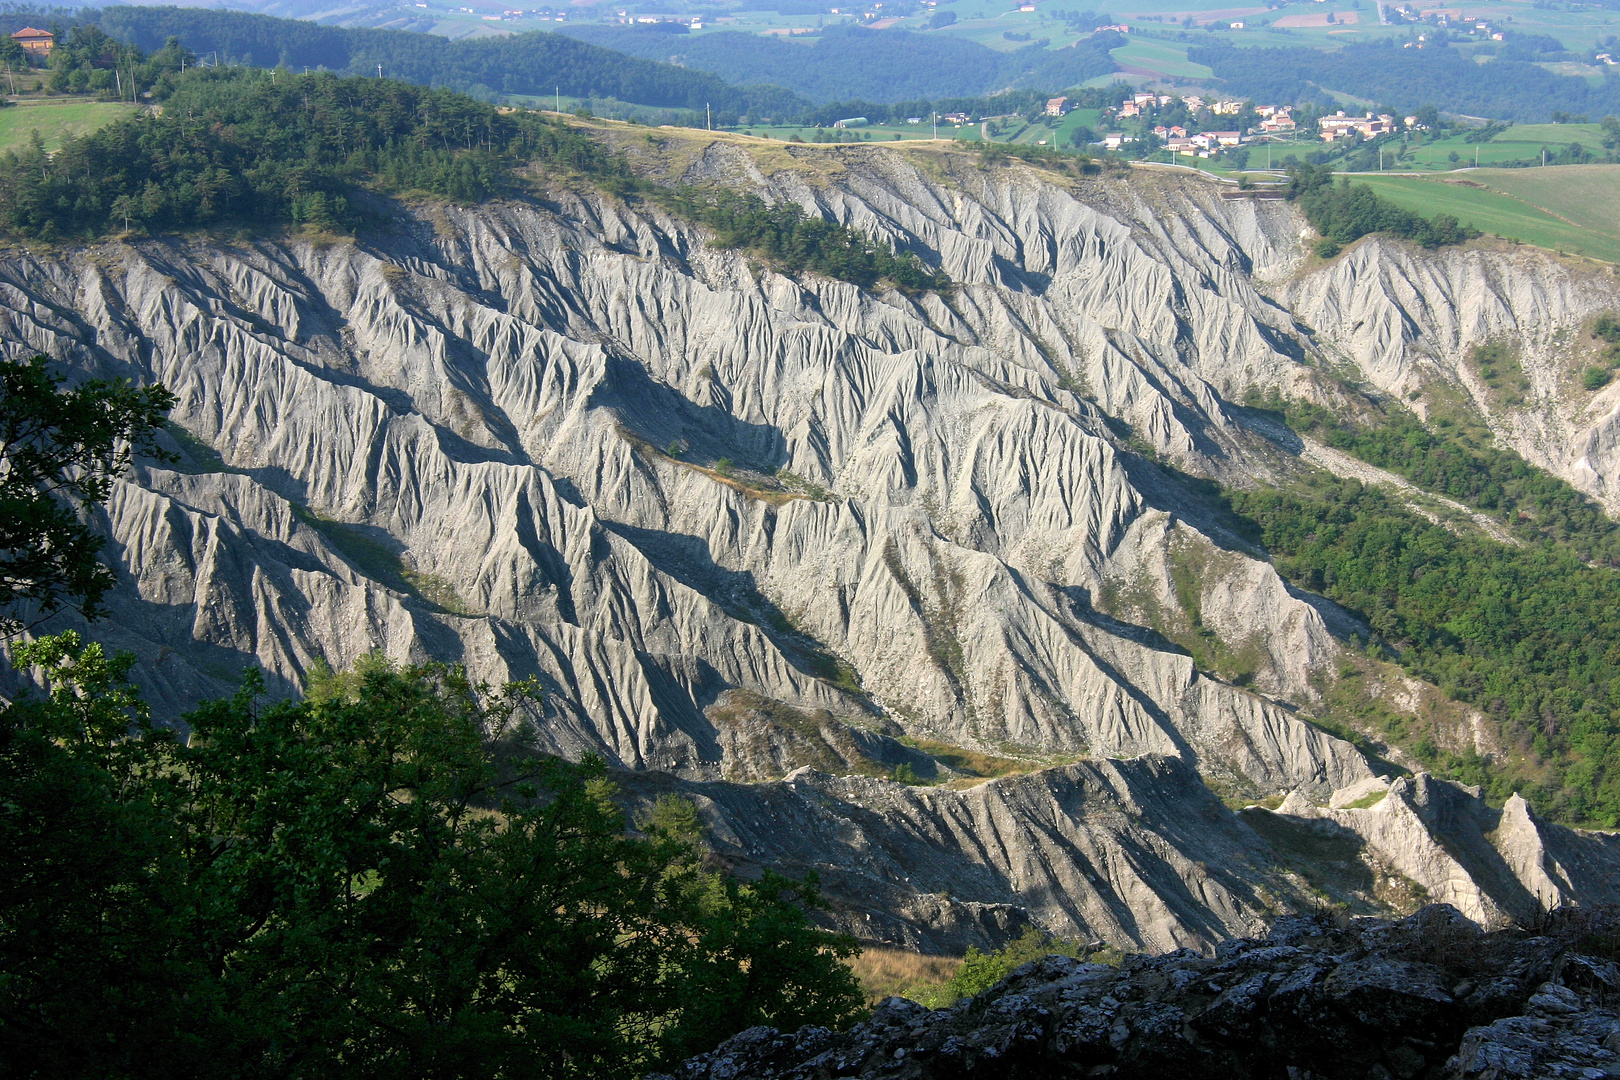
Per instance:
(1569,208)
(1521,142)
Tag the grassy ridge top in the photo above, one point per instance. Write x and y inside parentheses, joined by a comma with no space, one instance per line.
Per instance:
(56,119)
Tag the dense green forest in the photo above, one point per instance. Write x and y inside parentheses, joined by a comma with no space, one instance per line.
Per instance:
(793,241)
(1504,89)
(1345,212)
(381,879)
(532,63)
(1524,632)
(873,65)
(241,144)
(249,146)
(1460,461)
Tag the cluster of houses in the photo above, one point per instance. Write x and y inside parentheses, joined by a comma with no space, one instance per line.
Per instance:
(1339,126)
(1275,122)
(1139,102)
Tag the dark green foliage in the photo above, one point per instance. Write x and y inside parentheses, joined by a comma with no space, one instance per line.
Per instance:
(15,16)
(380,881)
(1345,212)
(793,241)
(241,144)
(1526,634)
(1507,88)
(980,970)
(1605,328)
(1462,464)
(61,449)
(86,60)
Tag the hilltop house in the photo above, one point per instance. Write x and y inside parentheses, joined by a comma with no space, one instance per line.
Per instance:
(35,41)
(1057,106)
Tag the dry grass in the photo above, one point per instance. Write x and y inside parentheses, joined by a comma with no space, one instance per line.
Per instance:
(885,973)
(975,763)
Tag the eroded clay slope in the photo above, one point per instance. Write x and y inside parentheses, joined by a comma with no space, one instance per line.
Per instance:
(737,523)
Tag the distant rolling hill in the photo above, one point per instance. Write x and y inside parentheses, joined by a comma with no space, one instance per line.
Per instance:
(871,65)
(532,63)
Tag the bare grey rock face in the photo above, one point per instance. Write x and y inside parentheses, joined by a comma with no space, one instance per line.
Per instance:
(1429,996)
(737,524)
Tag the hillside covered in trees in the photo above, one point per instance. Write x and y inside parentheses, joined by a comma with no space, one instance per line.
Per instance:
(534,63)
(239,145)
(875,65)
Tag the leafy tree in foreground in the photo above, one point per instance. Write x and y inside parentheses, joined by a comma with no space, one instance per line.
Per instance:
(59,448)
(380,880)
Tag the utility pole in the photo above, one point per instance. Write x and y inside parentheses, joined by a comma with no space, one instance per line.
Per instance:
(556,98)
(936,125)
(1476,155)
(379,71)
(708,117)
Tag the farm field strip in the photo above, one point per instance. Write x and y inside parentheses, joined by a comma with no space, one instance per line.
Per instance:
(1501,213)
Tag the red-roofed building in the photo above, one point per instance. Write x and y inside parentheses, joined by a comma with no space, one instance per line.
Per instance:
(35,41)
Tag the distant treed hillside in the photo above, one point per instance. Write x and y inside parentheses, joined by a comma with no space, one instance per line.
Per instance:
(532,63)
(874,65)
(1502,89)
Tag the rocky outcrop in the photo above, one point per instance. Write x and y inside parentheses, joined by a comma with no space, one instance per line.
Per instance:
(737,523)
(1430,996)
(1495,866)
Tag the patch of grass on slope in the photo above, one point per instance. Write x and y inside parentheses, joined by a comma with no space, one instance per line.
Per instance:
(56,119)
(1561,211)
